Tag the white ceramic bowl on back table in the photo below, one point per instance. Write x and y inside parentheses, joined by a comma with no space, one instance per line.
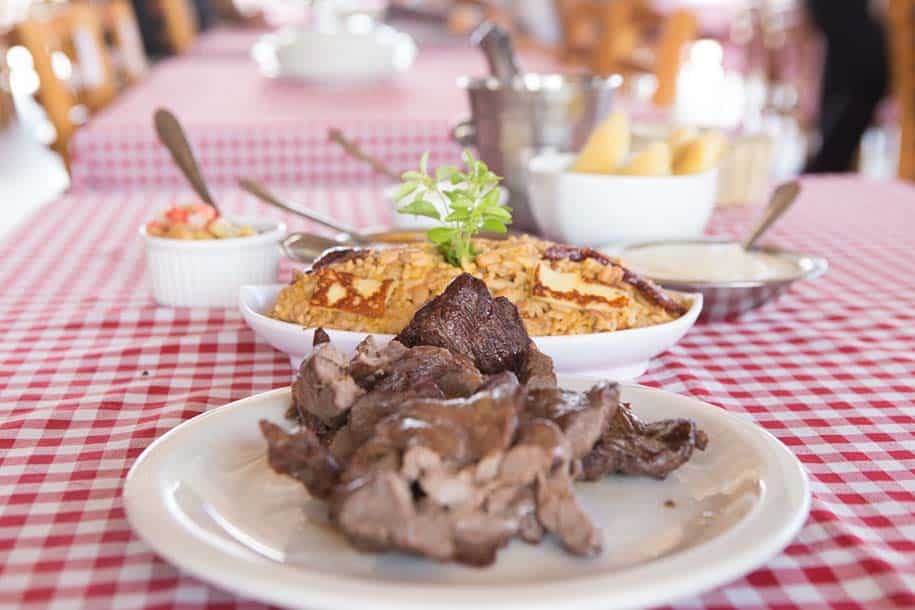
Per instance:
(621,355)
(599,209)
(335,57)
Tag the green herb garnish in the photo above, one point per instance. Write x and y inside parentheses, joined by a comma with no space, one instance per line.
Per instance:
(469,206)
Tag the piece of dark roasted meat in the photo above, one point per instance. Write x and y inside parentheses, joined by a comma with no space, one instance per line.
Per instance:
(629,446)
(301,456)
(335,256)
(466,320)
(582,416)
(324,388)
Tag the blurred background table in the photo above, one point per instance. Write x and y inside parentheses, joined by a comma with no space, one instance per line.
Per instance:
(244,124)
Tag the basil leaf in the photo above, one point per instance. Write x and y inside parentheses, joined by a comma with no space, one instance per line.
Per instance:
(498,213)
(445,173)
(496,226)
(405,189)
(491,199)
(412,176)
(421,207)
(424,164)
(458,214)
(441,235)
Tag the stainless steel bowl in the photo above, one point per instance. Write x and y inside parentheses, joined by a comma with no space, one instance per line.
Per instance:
(512,123)
(727,300)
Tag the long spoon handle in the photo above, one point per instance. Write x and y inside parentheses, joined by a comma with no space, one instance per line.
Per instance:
(353,150)
(781,200)
(174,139)
(259,191)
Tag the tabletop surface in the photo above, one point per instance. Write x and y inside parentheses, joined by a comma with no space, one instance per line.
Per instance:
(245,124)
(92,371)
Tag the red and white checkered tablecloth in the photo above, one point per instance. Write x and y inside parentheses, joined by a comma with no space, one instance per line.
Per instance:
(92,371)
(243,124)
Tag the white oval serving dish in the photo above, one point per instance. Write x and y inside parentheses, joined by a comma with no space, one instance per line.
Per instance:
(620,355)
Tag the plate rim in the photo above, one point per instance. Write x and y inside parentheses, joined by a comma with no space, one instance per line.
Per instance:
(335,591)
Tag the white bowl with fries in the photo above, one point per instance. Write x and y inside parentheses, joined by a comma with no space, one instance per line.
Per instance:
(600,209)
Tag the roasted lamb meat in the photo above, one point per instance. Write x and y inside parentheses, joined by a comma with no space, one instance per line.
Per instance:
(453,439)
(629,446)
(466,320)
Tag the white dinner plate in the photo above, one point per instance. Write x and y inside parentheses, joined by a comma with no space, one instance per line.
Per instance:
(205,499)
(621,355)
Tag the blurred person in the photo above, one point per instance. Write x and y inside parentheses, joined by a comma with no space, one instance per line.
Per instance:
(150,21)
(207,12)
(855,79)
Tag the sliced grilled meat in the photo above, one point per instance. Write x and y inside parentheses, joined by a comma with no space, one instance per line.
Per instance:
(629,446)
(301,456)
(466,320)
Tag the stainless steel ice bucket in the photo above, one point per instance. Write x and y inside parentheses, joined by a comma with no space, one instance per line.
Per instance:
(509,124)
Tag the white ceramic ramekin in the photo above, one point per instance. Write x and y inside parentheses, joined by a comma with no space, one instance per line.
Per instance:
(208,273)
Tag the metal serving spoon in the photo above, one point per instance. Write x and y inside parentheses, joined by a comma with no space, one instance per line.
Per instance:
(781,200)
(172,136)
(259,191)
(306,247)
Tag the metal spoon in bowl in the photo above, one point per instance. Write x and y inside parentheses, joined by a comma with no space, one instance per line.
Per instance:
(306,247)
(172,136)
(259,191)
(781,200)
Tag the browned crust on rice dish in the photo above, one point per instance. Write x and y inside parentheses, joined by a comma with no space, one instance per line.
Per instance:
(558,290)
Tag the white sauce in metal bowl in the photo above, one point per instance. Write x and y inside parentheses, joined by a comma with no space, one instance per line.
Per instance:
(707,262)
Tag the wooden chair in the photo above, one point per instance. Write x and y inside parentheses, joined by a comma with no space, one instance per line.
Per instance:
(628,37)
(179,22)
(7,108)
(76,31)
(902,60)
(128,56)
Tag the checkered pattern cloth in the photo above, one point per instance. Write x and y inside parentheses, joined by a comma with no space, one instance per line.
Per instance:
(92,371)
(130,157)
(243,124)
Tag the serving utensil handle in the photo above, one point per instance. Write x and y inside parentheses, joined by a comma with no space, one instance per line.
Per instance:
(172,136)
(353,150)
(259,191)
(465,133)
(779,203)
(496,44)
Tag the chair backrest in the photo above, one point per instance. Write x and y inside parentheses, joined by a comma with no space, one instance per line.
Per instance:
(123,32)
(618,38)
(678,30)
(7,109)
(628,36)
(580,22)
(902,60)
(180,25)
(75,31)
